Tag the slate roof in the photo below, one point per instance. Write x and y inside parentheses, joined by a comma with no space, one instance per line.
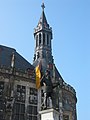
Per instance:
(57,74)
(6,56)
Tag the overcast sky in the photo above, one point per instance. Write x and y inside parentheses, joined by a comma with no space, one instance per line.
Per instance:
(70,21)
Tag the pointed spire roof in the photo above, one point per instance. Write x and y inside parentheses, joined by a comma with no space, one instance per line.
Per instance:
(43,24)
(43,20)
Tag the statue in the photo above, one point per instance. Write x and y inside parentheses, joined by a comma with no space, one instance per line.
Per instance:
(48,88)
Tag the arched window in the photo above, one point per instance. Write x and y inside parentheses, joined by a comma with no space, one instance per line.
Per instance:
(40,39)
(36,40)
(43,38)
(34,57)
(47,39)
(38,55)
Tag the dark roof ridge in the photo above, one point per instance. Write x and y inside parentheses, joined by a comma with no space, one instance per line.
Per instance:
(1,46)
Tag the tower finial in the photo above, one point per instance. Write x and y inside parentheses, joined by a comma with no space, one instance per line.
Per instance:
(43,6)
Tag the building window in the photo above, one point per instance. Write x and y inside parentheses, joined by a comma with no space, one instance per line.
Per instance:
(16,117)
(32,117)
(32,107)
(29,109)
(21,93)
(16,108)
(22,117)
(22,108)
(40,39)
(36,40)
(2,101)
(19,111)
(38,55)
(34,57)
(1,88)
(35,110)
(32,110)
(33,96)
(47,39)
(43,38)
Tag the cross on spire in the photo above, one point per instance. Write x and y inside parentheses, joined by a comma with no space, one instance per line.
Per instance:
(43,6)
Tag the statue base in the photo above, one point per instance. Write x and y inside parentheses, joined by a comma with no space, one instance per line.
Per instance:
(49,114)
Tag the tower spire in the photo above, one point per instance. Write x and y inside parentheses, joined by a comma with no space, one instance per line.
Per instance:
(43,37)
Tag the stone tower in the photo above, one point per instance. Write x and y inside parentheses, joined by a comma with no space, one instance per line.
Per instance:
(43,40)
(65,97)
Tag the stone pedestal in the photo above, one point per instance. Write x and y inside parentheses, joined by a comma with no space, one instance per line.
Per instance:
(49,114)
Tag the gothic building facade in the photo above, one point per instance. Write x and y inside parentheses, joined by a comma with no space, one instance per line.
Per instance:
(19,98)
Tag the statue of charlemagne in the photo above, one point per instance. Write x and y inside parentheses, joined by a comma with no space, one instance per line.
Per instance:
(48,88)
